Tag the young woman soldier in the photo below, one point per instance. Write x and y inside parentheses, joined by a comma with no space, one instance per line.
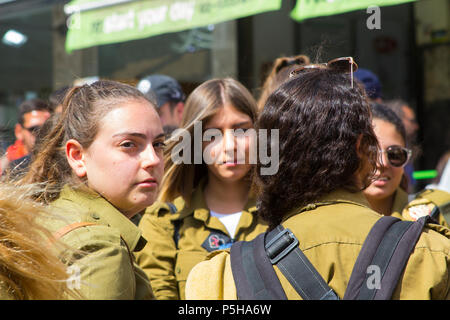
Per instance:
(328,154)
(214,205)
(101,165)
(386,194)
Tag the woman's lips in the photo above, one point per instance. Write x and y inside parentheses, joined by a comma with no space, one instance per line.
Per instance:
(381,181)
(233,163)
(148,183)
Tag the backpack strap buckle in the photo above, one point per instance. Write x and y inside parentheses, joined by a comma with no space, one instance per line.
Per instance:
(280,244)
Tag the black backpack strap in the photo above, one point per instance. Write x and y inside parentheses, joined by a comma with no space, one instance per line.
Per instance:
(255,278)
(365,257)
(253,274)
(283,251)
(387,247)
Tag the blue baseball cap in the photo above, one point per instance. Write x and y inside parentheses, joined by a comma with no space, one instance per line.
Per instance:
(370,81)
(162,88)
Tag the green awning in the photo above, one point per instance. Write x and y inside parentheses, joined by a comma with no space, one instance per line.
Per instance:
(305,9)
(97,22)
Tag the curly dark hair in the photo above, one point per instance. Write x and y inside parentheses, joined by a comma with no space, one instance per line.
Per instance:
(326,141)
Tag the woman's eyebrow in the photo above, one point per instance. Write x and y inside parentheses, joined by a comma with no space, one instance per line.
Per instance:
(139,135)
(134,134)
(234,125)
(161,135)
(242,123)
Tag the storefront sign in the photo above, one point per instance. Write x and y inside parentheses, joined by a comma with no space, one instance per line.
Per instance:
(305,9)
(130,20)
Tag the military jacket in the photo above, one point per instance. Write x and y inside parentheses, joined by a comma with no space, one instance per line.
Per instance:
(178,241)
(103,265)
(331,232)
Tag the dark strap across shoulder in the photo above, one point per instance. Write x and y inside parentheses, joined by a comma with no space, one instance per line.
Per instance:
(283,251)
(255,278)
(253,273)
(386,250)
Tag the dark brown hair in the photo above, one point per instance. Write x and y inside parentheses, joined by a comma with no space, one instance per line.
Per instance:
(321,119)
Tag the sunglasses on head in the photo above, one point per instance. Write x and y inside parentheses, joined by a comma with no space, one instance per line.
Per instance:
(33,130)
(397,156)
(343,64)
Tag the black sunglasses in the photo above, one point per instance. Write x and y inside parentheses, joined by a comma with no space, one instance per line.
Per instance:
(397,156)
(33,130)
(342,64)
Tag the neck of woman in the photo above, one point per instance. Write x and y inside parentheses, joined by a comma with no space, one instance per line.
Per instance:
(382,206)
(226,197)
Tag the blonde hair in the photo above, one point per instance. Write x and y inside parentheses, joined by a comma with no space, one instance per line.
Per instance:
(201,105)
(29,266)
(279,73)
(83,108)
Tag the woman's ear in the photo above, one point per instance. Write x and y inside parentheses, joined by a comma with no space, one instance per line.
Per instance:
(358,147)
(364,167)
(75,155)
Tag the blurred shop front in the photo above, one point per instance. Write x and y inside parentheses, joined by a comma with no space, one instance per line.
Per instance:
(125,40)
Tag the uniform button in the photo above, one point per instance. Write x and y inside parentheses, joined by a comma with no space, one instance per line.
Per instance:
(95,216)
(178,270)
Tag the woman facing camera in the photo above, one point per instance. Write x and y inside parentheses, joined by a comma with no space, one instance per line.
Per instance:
(102,164)
(206,202)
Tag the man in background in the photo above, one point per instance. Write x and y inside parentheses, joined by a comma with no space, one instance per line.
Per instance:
(408,116)
(169,99)
(32,115)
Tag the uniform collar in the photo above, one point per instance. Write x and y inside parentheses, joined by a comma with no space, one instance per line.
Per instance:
(342,195)
(104,212)
(400,202)
(200,210)
(337,196)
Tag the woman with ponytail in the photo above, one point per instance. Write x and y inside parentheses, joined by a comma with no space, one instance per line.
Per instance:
(279,73)
(101,164)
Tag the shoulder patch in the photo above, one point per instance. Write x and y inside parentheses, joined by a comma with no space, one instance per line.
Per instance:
(414,212)
(216,240)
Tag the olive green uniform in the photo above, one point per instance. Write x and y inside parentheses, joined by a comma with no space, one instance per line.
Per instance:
(107,269)
(331,233)
(167,264)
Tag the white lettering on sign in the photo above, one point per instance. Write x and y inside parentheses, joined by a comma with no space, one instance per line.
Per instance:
(182,11)
(119,22)
(149,17)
